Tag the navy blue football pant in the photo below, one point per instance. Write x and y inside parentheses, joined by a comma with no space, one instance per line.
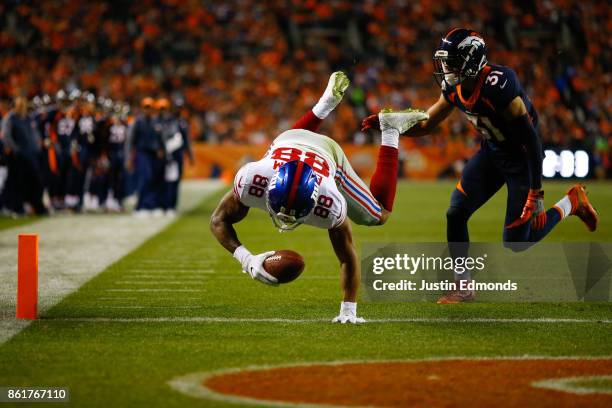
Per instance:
(484,174)
(77,174)
(112,179)
(172,187)
(116,173)
(150,175)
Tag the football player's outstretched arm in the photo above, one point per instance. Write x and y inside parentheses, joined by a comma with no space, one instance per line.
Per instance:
(437,113)
(516,114)
(341,238)
(229,212)
(534,211)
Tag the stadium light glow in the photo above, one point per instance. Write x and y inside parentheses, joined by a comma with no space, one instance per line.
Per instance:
(565,163)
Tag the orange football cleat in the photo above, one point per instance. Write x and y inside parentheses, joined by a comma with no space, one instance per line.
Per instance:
(581,207)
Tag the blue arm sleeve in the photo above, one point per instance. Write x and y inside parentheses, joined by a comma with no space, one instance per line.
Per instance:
(533,148)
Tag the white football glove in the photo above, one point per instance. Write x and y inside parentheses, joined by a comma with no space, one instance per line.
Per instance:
(400,120)
(348,314)
(337,84)
(253,265)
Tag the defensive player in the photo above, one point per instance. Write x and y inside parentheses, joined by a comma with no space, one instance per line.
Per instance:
(305,178)
(493,100)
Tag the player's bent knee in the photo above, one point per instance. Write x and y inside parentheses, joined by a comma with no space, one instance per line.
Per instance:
(511,246)
(457,215)
(515,244)
(384,216)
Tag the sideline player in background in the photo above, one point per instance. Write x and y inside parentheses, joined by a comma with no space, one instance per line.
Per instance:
(493,100)
(305,178)
(145,150)
(176,140)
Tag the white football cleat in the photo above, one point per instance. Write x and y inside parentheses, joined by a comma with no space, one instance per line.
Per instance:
(401,120)
(345,318)
(336,86)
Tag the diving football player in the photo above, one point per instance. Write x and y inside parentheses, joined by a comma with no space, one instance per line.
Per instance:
(305,178)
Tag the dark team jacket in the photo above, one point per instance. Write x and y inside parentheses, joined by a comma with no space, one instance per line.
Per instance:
(146,135)
(496,88)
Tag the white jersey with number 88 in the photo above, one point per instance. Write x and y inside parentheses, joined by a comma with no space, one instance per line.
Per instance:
(251,181)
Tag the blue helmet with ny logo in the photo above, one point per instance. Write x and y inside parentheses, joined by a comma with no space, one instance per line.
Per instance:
(461,54)
(292,194)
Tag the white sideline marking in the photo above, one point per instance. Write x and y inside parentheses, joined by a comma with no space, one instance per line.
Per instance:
(197,263)
(74,249)
(203,319)
(154,290)
(568,384)
(155,282)
(160,276)
(151,307)
(172,299)
(117,298)
(164,271)
(193,384)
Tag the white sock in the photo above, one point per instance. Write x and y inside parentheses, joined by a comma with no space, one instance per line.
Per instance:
(349,308)
(390,137)
(565,205)
(324,107)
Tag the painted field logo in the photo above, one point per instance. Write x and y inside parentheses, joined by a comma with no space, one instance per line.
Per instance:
(474,382)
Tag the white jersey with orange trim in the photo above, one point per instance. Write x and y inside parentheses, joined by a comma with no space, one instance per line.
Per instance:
(341,191)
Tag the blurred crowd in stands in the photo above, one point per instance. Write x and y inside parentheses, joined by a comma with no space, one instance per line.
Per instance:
(88,154)
(241,71)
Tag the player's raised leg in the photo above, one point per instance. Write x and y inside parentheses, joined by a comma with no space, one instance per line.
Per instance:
(575,202)
(373,205)
(336,86)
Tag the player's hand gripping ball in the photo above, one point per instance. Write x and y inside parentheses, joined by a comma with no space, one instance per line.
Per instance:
(285,265)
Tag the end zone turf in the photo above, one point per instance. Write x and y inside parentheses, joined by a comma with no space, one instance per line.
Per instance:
(474,382)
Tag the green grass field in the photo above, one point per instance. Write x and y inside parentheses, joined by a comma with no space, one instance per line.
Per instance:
(6,222)
(84,345)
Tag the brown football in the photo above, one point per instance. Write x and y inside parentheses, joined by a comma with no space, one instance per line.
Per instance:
(285,265)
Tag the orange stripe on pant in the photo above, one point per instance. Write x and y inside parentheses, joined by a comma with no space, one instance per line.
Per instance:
(460,188)
(52,156)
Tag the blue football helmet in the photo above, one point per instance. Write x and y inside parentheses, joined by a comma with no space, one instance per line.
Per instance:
(292,194)
(461,54)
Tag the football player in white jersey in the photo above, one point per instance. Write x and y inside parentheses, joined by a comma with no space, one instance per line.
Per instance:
(305,178)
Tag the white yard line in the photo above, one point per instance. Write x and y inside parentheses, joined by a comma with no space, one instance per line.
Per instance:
(155,290)
(186,277)
(150,307)
(203,319)
(73,249)
(165,269)
(168,272)
(162,282)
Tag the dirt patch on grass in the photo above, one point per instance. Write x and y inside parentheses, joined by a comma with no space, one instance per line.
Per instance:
(460,382)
